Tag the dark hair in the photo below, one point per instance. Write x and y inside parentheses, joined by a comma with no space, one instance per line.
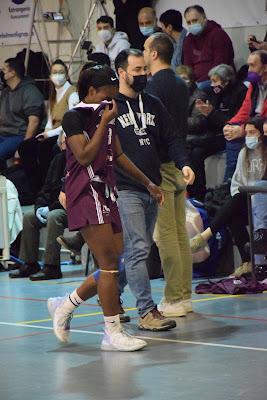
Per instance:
(173,18)
(52,91)
(197,8)
(96,76)
(262,55)
(162,44)
(258,123)
(105,19)
(121,60)
(99,58)
(17,66)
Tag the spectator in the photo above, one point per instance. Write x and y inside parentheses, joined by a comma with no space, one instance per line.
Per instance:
(124,8)
(206,46)
(259,207)
(254,104)
(62,97)
(97,59)
(111,42)
(21,109)
(170,231)
(227,97)
(147,21)
(172,24)
(47,212)
(249,170)
(255,44)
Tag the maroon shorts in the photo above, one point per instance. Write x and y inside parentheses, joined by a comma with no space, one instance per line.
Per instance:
(94,208)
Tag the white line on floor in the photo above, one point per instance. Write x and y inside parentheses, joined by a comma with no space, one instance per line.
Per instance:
(227,346)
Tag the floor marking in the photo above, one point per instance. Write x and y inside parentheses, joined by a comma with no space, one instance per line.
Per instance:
(235,317)
(74,316)
(208,344)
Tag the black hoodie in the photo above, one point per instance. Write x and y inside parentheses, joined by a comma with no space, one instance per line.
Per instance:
(149,148)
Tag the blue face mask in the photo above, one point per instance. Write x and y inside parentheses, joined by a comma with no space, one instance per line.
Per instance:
(195,29)
(147,30)
(252,142)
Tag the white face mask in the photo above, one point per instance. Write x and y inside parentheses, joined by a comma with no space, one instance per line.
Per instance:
(104,35)
(252,142)
(58,79)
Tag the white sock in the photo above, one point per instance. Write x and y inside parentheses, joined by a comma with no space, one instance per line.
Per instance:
(112,324)
(72,301)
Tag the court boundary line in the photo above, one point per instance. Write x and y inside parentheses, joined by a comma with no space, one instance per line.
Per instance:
(189,342)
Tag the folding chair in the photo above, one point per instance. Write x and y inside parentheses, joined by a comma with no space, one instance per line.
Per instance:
(250,190)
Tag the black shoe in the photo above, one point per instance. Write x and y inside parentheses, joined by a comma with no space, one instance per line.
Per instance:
(25,271)
(74,244)
(260,241)
(48,272)
(261,272)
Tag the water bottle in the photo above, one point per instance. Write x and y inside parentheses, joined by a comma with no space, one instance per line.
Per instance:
(219,240)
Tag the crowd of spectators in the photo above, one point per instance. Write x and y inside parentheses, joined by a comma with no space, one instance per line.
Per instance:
(202,107)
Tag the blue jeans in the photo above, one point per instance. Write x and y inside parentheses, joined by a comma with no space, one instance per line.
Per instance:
(259,207)
(138,211)
(9,145)
(232,149)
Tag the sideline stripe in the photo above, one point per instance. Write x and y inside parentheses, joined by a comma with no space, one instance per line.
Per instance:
(74,316)
(208,344)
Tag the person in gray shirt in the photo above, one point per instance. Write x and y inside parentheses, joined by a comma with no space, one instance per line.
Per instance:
(21,108)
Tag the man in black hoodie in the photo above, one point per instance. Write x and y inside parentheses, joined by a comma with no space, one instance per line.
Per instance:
(21,108)
(148,138)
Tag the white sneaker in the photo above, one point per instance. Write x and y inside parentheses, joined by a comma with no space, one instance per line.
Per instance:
(175,309)
(188,305)
(121,341)
(61,319)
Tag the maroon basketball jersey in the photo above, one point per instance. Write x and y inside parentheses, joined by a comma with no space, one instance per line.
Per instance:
(79,177)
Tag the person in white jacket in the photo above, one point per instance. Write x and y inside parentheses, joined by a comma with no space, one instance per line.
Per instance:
(111,42)
(250,169)
(12,222)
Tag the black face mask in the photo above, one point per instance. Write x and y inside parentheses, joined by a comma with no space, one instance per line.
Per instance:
(139,82)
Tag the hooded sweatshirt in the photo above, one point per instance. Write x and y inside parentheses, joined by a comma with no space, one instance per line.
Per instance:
(146,140)
(247,173)
(118,43)
(203,52)
(17,105)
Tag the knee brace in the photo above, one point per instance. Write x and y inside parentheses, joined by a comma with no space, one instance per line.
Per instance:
(96,274)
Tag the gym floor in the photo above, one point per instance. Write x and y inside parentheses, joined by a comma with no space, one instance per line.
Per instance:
(219,352)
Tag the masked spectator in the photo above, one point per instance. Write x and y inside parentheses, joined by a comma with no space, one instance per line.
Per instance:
(111,42)
(206,45)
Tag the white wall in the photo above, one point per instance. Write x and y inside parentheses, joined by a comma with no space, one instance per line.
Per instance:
(79,10)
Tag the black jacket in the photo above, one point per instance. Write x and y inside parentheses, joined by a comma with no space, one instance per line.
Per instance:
(226,106)
(48,195)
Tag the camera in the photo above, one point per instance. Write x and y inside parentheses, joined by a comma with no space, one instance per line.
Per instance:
(88,46)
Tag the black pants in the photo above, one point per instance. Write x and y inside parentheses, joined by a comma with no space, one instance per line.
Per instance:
(234,214)
(197,155)
(36,157)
